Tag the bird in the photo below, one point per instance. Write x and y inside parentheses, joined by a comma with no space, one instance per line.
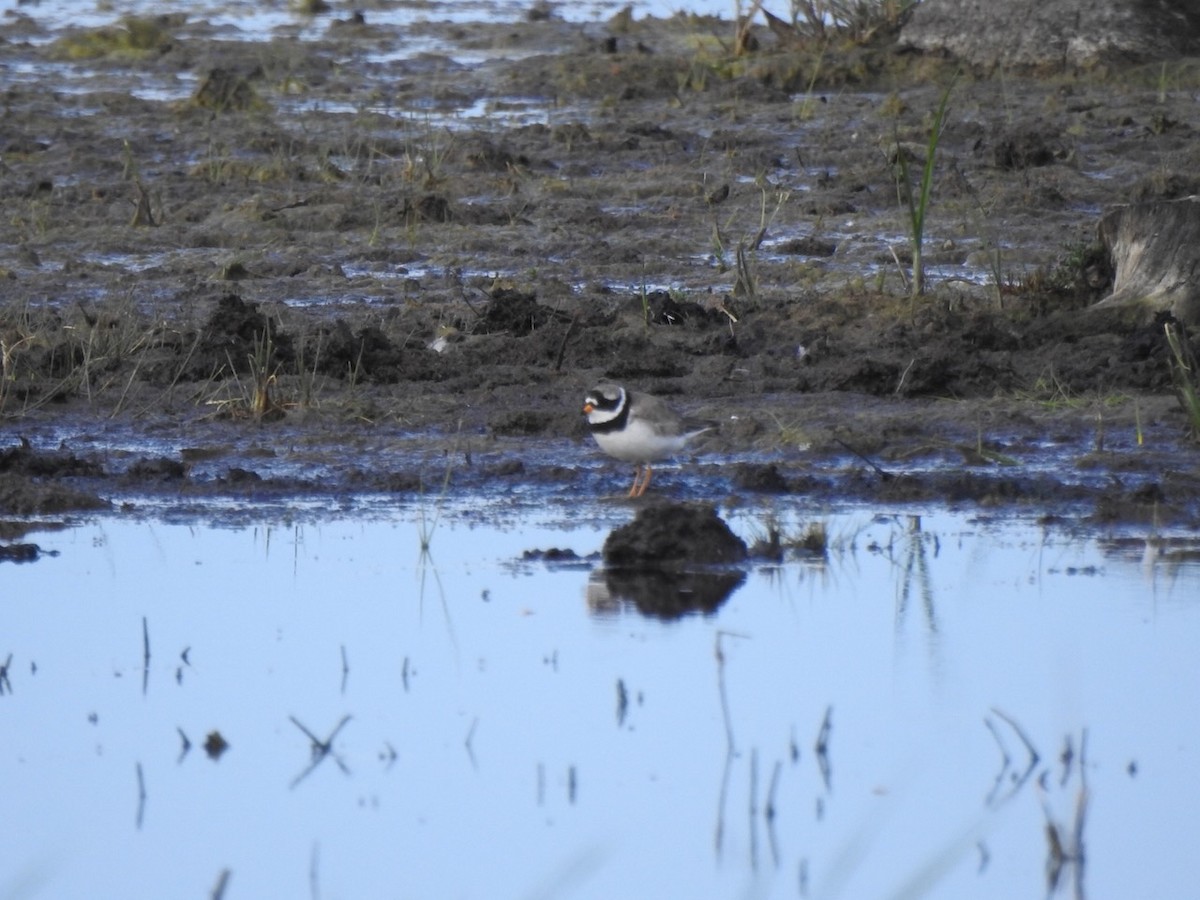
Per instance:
(637,428)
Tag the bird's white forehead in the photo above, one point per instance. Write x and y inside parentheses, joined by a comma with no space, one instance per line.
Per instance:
(608,392)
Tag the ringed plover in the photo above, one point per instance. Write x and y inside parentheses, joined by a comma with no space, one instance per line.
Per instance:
(636,428)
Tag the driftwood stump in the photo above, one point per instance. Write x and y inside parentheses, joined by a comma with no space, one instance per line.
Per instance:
(1155,250)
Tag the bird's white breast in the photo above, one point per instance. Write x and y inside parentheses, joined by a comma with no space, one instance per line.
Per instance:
(639,442)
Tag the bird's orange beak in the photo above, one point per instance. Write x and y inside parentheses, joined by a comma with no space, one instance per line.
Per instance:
(587,408)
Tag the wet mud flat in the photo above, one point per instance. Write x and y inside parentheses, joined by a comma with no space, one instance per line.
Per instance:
(334,267)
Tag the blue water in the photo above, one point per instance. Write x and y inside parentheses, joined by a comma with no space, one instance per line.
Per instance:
(514,731)
(258,19)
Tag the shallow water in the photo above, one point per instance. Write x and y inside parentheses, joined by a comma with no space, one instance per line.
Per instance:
(255,20)
(511,730)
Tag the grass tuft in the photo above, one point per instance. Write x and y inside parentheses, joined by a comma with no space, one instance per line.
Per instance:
(1186,375)
(917,200)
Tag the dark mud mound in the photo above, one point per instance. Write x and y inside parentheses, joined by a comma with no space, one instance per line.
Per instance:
(238,336)
(369,354)
(29,482)
(661,563)
(674,534)
(21,496)
(513,312)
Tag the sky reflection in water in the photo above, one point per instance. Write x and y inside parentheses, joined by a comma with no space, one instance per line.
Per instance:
(513,732)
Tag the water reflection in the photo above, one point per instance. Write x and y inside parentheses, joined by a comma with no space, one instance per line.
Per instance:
(660,593)
(952,707)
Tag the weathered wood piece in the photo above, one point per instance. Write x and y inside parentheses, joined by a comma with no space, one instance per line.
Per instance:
(1155,249)
(1054,33)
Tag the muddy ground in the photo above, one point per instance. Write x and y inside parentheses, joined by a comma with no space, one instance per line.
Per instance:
(283,269)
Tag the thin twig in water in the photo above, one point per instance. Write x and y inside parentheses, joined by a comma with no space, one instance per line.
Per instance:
(320,749)
(469,744)
(218,891)
(730,747)
(1033,754)
(886,476)
(562,347)
(145,655)
(720,654)
(1066,851)
(770,810)
(141,808)
(821,747)
(1081,806)
(754,809)
(1018,780)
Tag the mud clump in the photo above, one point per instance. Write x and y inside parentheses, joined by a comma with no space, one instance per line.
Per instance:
(20,496)
(674,534)
(513,312)
(236,334)
(28,486)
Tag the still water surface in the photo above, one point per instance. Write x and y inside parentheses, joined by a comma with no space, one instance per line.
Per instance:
(508,731)
(258,19)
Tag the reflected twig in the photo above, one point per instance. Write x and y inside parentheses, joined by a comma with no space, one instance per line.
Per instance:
(145,655)
(185,746)
(468,742)
(730,746)
(719,837)
(821,748)
(141,808)
(754,809)
(345,668)
(320,749)
(1066,758)
(218,891)
(1012,723)
(994,797)
(389,754)
(5,684)
(720,654)
(186,663)
(1065,850)
(426,564)
(916,570)
(769,813)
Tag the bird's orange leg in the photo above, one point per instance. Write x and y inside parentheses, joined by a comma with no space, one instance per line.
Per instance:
(645,480)
(637,474)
